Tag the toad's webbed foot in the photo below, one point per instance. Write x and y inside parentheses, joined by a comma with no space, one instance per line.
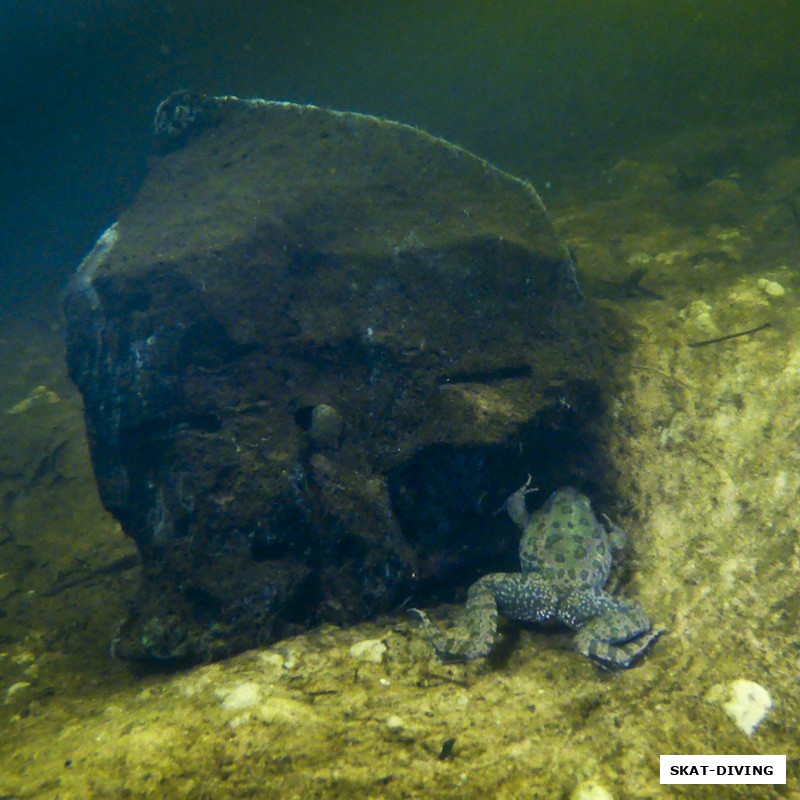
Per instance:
(458,646)
(619,636)
(618,656)
(475,633)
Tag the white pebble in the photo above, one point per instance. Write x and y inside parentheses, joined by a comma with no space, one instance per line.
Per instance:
(242,695)
(771,288)
(395,724)
(590,790)
(698,314)
(369,650)
(16,688)
(745,702)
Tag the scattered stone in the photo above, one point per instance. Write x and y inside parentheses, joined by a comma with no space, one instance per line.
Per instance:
(286,710)
(698,314)
(771,288)
(590,790)
(24,657)
(639,259)
(669,257)
(17,691)
(372,650)
(41,394)
(273,663)
(745,702)
(326,426)
(746,294)
(728,234)
(721,194)
(395,724)
(398,729)
(240,696)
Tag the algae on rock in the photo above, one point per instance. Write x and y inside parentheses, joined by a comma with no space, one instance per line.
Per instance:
(281,259)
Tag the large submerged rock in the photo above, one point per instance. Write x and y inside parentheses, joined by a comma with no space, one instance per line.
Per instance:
(316,353)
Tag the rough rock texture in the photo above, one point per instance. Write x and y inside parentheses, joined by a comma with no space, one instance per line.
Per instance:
(315,354)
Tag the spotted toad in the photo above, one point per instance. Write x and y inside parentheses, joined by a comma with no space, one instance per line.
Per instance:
(566,556)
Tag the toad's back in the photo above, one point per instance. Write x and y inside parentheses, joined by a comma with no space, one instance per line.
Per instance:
(566,544)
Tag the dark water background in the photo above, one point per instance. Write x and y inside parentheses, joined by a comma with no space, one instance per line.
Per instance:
(552,91)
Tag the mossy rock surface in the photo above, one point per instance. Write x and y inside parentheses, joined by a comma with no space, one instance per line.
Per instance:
(281,259)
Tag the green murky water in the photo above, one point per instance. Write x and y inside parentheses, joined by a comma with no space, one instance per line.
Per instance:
(665,139)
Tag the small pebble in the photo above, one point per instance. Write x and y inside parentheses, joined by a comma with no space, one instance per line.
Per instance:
(590,790)
(326,426)
(242,695)
(698,314)
(16,688)
(372,650)
(395,724)
(771,288)
(745,702)
(39,394)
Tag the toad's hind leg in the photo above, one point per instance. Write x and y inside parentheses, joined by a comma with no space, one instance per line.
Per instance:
(520,597)
(619,635)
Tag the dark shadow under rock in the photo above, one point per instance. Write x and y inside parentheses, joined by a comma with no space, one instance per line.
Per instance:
(316,353)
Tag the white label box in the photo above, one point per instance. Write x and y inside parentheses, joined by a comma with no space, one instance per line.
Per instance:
(723,769)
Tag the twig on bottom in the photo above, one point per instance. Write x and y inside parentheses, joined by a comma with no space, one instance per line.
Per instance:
(730,336)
